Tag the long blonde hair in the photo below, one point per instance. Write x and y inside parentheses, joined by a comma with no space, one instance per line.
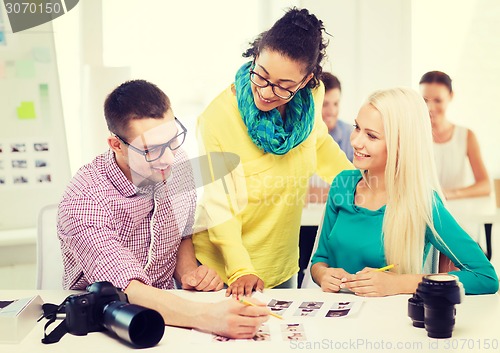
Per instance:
(410,176)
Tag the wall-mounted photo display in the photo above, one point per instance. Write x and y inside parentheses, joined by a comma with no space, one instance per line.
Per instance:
(17,147)
(26,162)
(41,163)
(20,179)
(19,163)
(35,168)
(44,178)
(41,146)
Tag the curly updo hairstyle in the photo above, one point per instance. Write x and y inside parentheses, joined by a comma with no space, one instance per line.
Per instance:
(297,35)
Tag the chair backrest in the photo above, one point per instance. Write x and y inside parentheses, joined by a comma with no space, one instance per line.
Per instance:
(49,259)
(308,282)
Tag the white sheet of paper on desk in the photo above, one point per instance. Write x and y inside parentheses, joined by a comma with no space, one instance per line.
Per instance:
(296,318)
(310,308)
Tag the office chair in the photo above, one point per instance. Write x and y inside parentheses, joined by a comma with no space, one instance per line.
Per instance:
(49,259)
(308,282)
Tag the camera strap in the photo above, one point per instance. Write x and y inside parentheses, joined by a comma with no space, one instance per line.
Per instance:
(50,312)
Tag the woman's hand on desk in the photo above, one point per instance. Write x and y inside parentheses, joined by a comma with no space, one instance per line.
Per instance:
(371,283)
(232,319)
(329,278)
(245,285)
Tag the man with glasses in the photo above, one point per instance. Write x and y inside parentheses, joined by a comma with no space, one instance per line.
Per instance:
(127,217)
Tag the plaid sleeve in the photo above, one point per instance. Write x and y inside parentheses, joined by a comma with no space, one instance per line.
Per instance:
(86,228)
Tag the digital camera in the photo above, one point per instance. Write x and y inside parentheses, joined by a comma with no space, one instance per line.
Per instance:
(433,304)
(106,307)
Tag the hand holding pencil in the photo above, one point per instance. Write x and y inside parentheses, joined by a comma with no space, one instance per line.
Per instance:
(385,268)
(374,281)
(247,303)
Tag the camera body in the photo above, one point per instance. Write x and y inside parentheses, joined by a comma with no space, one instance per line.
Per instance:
(85,312)
(433,304)
(106,307)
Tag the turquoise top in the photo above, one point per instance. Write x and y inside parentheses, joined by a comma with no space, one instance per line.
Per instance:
(351,238)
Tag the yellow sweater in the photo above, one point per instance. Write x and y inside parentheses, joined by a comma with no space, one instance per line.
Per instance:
(253,220)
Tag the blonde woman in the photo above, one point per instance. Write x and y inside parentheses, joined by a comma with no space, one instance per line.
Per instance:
(389,211)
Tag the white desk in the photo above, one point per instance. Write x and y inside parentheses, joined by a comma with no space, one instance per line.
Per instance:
(381,325)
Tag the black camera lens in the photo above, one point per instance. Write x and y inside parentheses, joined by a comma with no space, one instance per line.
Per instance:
(439,293)
(416,310)
(135,324)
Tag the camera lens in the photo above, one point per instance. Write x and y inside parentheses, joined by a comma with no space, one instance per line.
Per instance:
(439,293)
(135,324)
(416,311)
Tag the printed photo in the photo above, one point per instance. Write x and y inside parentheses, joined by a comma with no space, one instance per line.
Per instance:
(279,304)
(18,147)
(292,328)
(20,179)
(263,334)
(19,163)
(218,338)
(41,146)
(294,336)
(278,311)
(40,163)
(339,309)
(293,332)
(341,306)
(306,312)
(44,178)
(311,305)
(337,313)
(278,307)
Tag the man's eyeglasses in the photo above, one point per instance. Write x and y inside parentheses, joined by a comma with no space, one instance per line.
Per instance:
(279,91)
(154,153)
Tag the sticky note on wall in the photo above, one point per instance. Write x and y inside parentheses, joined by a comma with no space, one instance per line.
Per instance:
(41,54)
(25,69)
(26,111)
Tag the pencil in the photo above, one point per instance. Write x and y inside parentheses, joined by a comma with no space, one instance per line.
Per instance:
(243,301)
(388,267)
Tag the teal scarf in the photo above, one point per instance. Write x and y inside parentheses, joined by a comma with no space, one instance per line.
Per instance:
(266,128)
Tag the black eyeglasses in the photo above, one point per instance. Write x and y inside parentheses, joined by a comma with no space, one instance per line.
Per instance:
(279,91)
(154,153)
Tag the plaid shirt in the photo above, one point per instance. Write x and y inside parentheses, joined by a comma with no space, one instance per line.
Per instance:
(110,230)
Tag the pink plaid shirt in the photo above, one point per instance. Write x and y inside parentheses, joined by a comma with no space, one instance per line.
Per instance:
(110,230)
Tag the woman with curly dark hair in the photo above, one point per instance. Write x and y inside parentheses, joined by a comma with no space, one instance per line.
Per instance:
(270,117)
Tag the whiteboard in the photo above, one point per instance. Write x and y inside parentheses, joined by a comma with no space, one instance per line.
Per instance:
(34,163)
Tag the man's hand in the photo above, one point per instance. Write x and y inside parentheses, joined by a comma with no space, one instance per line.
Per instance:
(245,285)
(203,279)
(232,319)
